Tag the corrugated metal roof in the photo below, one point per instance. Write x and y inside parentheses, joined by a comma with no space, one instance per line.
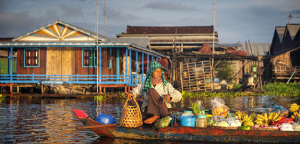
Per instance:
(227,45)
(169,29)
(55,44)
(256,49)
(144,42)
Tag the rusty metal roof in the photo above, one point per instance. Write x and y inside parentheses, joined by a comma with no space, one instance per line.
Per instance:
(256,49)
(169,30)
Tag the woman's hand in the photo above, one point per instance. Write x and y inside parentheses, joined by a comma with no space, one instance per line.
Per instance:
(129,95)
(167,98)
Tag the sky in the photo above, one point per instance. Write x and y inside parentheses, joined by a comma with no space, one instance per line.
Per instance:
(235,20)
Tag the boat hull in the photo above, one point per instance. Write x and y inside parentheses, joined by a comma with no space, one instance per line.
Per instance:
(194,134)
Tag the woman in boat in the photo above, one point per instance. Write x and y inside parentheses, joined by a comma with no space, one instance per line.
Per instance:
(157,92)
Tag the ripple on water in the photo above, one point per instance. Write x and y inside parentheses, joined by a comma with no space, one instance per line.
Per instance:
(53,120)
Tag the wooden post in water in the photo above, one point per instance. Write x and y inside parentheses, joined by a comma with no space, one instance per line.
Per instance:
(180,69)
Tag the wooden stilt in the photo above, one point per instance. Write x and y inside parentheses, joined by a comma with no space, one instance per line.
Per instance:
(31,90)
(11,88)
(18,89)
(42,89)
(100,88)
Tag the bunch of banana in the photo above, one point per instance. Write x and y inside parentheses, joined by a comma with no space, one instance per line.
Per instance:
(274,117)
(293,107)
(253,116)
(239,114)
(266,119)
(262,119)
(246,118)
(295,114)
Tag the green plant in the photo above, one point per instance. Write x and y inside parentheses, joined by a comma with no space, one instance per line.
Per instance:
(237,86)
(196,107)
(282,89)
(225,71)
(98,98)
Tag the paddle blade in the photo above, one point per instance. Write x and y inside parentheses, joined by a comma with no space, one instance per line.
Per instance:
(80,114)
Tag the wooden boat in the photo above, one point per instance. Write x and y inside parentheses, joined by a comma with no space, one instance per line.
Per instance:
(188,133)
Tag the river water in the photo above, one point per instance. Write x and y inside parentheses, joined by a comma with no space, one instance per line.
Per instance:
(51,120)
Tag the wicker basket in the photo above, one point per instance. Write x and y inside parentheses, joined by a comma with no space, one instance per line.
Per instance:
(131,116)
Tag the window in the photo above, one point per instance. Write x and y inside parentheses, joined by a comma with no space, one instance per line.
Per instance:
(110,58)
(89,58)
(32,58)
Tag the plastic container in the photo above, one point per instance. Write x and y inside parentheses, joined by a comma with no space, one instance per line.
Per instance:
(254,68)
(201,121)
(188,121)
(187,113)
(105,119)
(216,80)
(207,80)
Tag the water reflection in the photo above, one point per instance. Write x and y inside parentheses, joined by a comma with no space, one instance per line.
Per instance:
(49,120)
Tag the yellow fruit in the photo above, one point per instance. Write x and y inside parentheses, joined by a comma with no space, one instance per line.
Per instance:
(278,118)
(295,114)
(294,107)
(248,123)
(275,117)
(265,116)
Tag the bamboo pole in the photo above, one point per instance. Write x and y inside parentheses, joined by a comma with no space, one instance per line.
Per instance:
(196,74)
(189,76)
(213,53)
(97,46)
(181,79)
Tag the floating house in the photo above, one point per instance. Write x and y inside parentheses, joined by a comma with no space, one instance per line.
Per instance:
(191,51)
(64,54)
(285,53)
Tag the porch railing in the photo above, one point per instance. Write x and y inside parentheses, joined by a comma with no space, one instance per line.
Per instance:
(131,80)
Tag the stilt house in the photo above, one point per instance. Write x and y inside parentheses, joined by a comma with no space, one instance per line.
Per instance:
(61,53)
(285,53)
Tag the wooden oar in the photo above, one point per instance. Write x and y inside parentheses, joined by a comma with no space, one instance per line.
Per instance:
(97,126)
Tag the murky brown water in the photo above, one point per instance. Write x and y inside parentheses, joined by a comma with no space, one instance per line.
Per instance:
(50,120)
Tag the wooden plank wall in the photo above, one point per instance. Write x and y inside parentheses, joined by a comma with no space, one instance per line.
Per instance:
(60,61)
(29,70)
(105,70)
(78,65)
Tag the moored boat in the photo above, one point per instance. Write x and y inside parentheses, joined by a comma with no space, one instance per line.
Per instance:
(189,133)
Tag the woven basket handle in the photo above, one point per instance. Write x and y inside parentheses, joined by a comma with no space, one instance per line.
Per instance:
(125,105)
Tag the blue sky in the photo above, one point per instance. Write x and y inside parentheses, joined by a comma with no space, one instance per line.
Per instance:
(236,20)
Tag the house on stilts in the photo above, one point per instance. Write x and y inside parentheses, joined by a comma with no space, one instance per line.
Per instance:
(284,60)
(67,58)
(195,53)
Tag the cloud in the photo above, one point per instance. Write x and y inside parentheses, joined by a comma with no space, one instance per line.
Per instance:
(169,6)
(295,12)
(2,6)
(113,14)
(71,12)
(14,25)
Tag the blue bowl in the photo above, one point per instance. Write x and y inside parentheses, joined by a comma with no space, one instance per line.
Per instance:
(105,119)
